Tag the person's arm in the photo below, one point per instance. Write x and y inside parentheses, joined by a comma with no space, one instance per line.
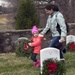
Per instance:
(61,22)
(46,28)
(35,43)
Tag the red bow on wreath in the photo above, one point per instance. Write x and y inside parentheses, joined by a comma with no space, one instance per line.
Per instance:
(72,46)
(25,46)
(52,67)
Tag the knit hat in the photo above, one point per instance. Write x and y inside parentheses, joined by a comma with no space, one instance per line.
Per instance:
(34,29)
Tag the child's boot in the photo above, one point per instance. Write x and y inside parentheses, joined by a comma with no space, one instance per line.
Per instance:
(37,63)
(34,64)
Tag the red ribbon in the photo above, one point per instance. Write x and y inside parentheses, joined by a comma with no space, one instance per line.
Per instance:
(52,67)
(25,47)
(72,46)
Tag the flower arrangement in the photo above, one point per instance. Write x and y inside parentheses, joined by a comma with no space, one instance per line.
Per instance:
(22,47)
(53,67)
(70,46)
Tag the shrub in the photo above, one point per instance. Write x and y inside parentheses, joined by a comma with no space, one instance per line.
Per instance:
(27,15)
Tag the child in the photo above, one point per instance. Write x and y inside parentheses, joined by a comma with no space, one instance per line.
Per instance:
(36,43)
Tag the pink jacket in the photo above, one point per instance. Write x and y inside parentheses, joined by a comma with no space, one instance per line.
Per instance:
(36,43)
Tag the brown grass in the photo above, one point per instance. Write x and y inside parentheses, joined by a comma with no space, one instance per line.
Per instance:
(5,22)
(3,19)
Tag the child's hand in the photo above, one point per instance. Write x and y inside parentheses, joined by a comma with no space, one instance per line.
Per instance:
(29,44)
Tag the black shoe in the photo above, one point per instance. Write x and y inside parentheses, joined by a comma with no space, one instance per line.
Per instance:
(64,50)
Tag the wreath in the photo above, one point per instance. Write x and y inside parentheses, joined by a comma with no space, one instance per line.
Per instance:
(70,46)
(22,47)
(53,67)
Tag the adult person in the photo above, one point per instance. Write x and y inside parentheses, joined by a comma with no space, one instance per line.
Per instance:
(55,16)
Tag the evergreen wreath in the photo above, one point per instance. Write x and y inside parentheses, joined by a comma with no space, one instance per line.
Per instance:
(22,47)
(70,46)
(53,67)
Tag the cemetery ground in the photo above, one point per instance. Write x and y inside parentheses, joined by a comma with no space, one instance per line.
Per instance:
(10,64)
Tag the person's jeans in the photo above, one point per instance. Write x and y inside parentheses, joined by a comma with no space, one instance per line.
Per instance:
(56,44)
(33,57)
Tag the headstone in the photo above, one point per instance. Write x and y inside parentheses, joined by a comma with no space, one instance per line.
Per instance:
(47,53)
(70,38)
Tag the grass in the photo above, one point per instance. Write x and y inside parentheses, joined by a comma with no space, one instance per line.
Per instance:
(10,64)
(70,63)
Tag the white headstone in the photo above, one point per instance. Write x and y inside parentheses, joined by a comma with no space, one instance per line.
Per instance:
(47,53)
(70,38)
